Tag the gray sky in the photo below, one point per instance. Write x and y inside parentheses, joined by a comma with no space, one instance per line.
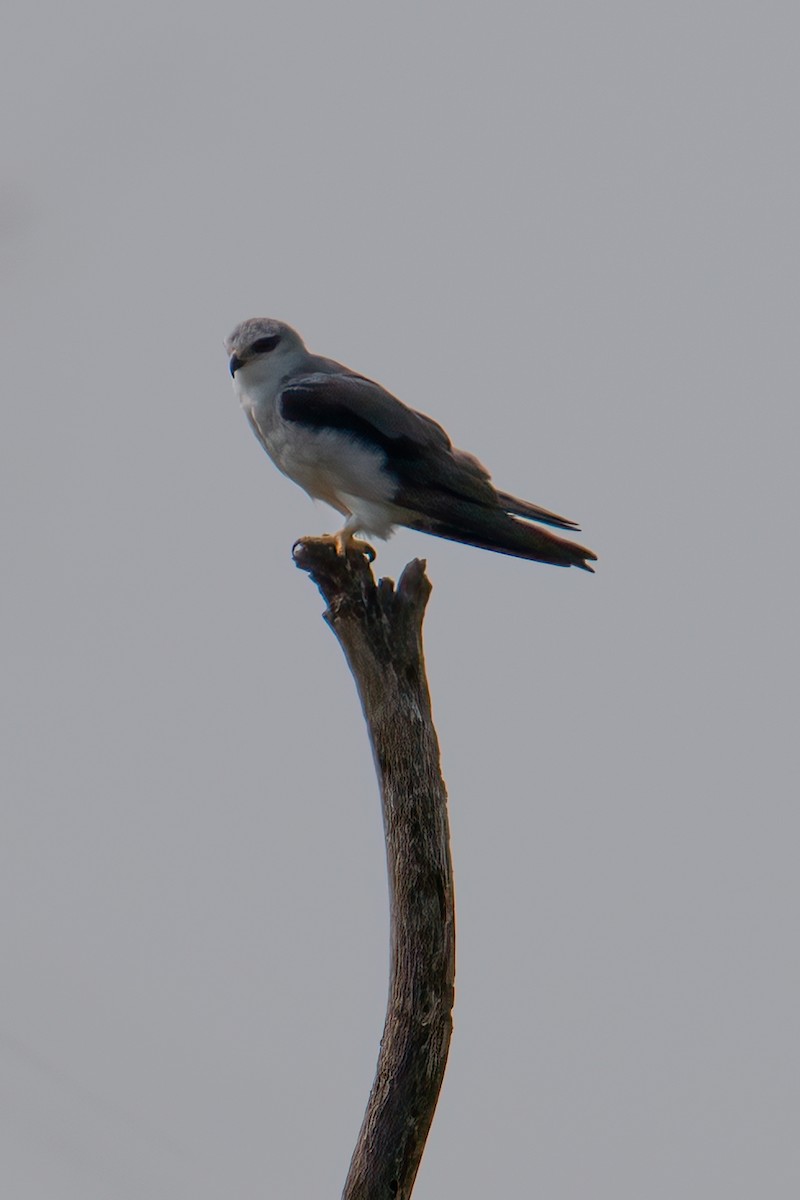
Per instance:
(569,232)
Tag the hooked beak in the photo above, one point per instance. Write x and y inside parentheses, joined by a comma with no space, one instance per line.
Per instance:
(235,363)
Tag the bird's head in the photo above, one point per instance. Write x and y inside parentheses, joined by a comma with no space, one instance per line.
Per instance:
(263,343)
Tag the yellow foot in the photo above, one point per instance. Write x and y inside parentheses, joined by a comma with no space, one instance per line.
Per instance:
(344,543)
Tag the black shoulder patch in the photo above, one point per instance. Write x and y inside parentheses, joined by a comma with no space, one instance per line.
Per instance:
(321,406)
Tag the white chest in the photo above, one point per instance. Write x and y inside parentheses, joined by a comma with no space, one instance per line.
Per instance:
(330,465)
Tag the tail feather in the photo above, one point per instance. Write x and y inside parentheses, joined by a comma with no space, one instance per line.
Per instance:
(523,508)
(507,535)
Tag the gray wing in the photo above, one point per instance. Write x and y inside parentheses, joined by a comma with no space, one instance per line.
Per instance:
(419,453)
(430,473)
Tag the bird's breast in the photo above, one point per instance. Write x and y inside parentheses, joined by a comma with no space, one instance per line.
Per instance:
(330,465)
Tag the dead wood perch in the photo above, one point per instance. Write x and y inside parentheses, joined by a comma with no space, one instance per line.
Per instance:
(379,627)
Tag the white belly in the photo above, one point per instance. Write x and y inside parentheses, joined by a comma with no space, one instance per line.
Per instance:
(338,469)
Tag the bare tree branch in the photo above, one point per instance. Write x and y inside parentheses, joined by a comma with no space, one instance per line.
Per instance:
(380,630)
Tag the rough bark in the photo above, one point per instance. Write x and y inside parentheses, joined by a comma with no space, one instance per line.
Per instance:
(380,630)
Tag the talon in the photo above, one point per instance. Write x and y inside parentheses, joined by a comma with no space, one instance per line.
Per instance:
(356,546)
(346,544)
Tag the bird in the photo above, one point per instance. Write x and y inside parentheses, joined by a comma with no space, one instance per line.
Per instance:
(380,464)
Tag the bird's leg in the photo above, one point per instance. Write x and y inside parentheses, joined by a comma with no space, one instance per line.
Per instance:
(346,543)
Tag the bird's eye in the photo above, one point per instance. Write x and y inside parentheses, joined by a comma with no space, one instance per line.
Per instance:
(265,344)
